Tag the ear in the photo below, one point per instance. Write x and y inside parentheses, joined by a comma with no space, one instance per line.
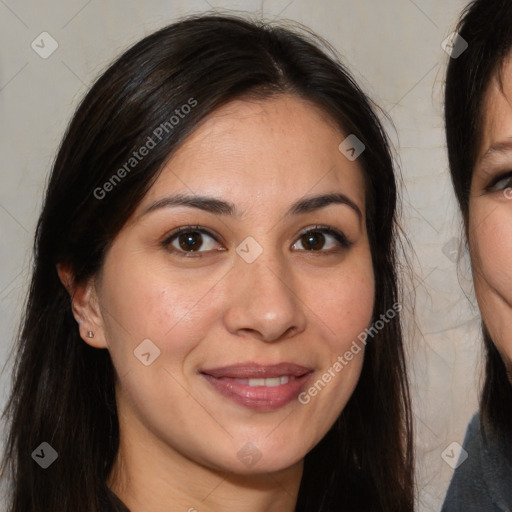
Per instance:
(85,307)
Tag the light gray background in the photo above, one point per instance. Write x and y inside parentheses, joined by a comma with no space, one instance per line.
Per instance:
(393,48)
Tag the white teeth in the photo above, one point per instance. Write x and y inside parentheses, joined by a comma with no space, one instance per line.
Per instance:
(270,381)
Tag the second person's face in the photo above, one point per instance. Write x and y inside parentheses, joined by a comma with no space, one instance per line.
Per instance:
(490,215)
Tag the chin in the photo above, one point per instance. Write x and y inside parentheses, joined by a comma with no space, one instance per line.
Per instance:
(251,460)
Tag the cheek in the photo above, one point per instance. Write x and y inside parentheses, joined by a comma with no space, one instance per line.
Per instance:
(343,308)
(491,251)
(174,308)
(347,302)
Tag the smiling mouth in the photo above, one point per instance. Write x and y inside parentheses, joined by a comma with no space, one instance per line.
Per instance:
(269,382)
(259,387)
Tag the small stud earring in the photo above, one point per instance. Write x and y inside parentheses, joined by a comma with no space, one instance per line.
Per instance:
(90,334)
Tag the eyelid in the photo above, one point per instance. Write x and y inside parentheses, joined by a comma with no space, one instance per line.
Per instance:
(339,236)
(491,187)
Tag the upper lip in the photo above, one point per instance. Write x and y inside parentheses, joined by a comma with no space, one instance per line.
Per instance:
(254,371)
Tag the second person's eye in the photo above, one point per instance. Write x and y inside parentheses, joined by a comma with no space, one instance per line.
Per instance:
(501,182)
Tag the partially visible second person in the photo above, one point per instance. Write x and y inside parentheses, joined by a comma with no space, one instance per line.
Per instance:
(478,111)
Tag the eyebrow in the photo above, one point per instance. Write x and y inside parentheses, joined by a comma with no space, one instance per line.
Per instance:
(221,207)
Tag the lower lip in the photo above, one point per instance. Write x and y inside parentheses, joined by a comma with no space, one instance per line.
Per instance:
(262,398)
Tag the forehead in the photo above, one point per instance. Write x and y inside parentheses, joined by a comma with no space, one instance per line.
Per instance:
(263,150)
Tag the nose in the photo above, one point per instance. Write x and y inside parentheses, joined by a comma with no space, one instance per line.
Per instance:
(263,301)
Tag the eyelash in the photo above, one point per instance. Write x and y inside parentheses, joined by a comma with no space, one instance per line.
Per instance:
(501,177)
(342,240)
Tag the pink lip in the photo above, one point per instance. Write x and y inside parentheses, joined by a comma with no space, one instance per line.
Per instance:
(229,381)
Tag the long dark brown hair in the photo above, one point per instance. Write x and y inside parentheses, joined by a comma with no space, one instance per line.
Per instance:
(486,26)
(63,389)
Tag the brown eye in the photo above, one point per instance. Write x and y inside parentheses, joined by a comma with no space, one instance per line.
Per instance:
(326,238)
(189,240)
(313,240)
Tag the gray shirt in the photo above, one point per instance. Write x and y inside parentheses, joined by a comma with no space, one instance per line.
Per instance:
(483,482)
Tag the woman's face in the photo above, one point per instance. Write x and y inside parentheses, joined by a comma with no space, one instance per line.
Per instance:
(214,332)
(490,215)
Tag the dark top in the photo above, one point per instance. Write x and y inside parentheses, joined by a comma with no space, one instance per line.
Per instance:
(483,482)
(118,505)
